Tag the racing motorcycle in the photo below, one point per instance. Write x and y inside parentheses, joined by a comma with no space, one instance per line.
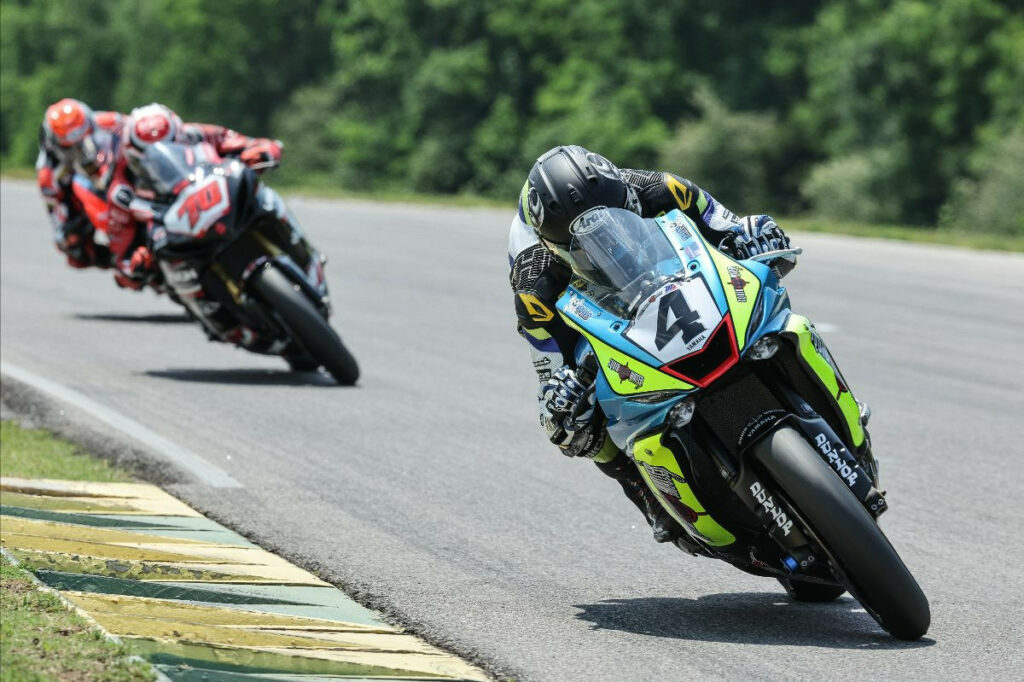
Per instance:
(232,252)
(734,411)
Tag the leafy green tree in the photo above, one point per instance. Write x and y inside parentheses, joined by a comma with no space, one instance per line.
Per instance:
(908,76)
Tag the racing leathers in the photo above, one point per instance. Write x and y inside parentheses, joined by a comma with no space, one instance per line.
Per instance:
(538,279)
(129,209)
(56,172)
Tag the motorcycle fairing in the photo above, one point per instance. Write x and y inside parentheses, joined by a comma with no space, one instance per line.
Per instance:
(629,370)
(661,471)
(815,357)
(198,207)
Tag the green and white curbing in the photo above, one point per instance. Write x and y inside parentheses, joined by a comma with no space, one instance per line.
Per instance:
(197,600)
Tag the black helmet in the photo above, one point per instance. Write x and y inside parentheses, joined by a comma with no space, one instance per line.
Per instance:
(565,182)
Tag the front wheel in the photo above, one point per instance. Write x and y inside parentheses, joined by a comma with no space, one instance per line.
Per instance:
(866,561)
(307,326)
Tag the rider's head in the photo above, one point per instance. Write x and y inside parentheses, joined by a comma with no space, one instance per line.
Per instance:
(68,126)
(564,183)
(146,126)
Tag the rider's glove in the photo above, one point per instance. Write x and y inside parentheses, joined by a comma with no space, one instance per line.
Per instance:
(74,239)
(567,413)
(758,234)
(138,270)
(262,154)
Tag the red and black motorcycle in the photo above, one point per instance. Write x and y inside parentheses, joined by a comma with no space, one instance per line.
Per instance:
(232,252)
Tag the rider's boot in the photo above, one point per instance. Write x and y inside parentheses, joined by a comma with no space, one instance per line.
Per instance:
(623,470)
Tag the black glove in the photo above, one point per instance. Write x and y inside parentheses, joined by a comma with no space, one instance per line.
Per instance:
(74,239)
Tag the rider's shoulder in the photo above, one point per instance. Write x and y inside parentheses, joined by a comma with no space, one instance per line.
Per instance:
(520,237)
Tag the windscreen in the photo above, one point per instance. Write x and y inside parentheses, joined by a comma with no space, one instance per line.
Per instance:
(621,254)
(164,165)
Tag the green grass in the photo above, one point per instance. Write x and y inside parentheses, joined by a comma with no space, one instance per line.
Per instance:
(40,637)
(34,453)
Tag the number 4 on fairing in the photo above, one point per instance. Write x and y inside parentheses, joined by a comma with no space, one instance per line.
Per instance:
(687,321)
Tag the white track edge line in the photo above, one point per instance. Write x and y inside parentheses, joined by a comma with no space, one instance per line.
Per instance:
(209,474)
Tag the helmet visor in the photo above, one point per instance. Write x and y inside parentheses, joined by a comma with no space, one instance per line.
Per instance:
(621,253)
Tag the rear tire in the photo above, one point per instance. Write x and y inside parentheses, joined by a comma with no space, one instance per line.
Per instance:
(307,326)
(872,569)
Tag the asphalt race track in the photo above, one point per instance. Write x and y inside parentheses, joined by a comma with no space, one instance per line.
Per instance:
(430,490)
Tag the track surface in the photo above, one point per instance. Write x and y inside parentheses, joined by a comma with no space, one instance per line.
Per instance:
(431,488)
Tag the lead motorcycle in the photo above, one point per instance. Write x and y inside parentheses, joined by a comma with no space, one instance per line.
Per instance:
(233,254)
(734,411)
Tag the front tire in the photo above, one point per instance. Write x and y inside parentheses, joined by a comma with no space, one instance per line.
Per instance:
(871,568)
(307,326)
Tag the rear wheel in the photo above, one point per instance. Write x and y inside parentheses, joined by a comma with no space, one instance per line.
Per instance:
(870,567)
(307,326)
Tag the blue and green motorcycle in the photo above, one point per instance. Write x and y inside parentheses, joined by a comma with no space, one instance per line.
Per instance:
(734,411)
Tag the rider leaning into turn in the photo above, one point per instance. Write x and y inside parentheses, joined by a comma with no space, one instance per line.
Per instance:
(73,138)
(102,147)
(144,127)
(565,182)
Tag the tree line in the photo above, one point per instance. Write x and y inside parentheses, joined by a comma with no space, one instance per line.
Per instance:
(898,111)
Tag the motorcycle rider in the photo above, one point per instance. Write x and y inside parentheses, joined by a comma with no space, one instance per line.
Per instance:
(565,182)
(145,126)
(73,138)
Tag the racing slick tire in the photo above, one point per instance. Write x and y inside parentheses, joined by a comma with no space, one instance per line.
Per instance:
(307,326)
(864,558)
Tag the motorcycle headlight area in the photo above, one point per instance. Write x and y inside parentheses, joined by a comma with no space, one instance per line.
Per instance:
(764,348)
(654,398)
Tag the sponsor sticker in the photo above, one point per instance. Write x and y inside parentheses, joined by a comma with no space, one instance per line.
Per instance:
(589,220)
(768,503)
(538,311)
(835,459)
(759,424)
(578,308)
(738,283)
(534,208)
(625,373)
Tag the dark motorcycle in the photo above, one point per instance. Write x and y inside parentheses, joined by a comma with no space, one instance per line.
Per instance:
(232,252)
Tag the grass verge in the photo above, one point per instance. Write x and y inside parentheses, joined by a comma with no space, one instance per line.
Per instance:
(34,453)
(40,637)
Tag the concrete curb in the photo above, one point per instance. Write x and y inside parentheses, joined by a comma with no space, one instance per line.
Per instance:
(196,600)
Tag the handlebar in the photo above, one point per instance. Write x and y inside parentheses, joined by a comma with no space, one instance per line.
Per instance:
(772,255)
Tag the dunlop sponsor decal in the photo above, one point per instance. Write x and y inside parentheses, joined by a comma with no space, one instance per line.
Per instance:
(196,600)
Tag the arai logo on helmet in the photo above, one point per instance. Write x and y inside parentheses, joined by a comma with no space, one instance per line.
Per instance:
(534,207)
(604,166)
(589,220)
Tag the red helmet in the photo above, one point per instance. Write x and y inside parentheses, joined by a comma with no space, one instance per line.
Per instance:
(68,122)
(148,125)
(68,126)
